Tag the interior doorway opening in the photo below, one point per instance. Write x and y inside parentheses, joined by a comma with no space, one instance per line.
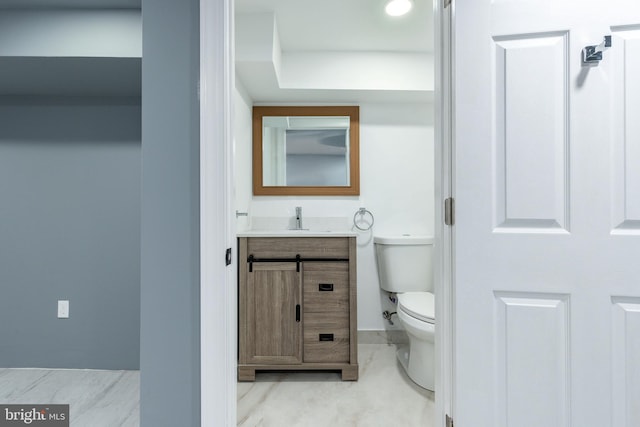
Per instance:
(287,96)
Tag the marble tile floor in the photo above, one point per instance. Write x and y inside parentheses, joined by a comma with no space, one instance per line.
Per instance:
(96,398)
(383,396)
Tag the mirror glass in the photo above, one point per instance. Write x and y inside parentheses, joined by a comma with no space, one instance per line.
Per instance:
(306,150)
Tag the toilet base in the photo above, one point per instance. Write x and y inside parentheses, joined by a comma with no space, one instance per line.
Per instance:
(403,356)
(421,370)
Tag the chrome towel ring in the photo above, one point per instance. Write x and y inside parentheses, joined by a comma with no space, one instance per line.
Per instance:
(362,212)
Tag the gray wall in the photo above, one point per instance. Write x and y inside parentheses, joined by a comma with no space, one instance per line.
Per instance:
(316,169)
(69,229)
(170,315)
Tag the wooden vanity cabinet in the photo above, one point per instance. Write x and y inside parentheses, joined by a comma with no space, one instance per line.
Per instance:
(297,305)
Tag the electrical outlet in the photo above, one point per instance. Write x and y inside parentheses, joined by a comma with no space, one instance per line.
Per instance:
(63,309)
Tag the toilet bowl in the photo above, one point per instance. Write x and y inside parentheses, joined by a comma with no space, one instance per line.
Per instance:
(416,314)
(404,268)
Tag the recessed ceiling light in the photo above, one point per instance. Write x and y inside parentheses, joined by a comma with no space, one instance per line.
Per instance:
(398,7)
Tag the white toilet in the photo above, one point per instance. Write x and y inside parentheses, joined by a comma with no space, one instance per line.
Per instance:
(405,268)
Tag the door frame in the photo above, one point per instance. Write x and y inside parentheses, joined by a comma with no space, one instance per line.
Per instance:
(218,297)
(444,20)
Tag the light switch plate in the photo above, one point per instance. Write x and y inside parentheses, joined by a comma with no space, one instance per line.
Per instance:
(63,309)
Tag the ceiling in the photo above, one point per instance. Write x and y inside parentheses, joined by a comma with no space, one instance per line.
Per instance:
(346,25)
(335,51)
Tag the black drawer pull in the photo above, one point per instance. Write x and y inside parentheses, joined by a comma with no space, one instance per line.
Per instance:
(325,287)
(297,312)
(325,337)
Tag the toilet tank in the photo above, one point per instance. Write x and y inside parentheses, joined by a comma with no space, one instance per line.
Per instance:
(405,262)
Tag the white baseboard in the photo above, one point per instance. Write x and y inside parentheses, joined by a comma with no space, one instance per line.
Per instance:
(383,337)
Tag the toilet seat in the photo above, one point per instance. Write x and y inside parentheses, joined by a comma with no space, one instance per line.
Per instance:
(419,305)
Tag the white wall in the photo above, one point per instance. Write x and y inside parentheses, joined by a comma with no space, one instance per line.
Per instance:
(396,185)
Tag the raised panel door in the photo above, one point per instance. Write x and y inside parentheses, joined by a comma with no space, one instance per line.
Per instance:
(546,235)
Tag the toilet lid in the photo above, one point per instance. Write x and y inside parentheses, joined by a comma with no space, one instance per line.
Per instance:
(418,304)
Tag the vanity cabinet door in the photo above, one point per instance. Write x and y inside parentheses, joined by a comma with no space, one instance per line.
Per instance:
(272,311)
(326,312)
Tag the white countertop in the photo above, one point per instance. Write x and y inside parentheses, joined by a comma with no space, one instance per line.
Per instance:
(312,227)
(296,233)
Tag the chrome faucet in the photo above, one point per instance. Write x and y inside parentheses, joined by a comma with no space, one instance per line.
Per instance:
(298,218)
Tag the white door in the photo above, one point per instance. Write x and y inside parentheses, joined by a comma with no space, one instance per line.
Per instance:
(547,233)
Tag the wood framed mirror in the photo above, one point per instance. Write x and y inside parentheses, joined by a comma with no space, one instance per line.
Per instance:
(306,151)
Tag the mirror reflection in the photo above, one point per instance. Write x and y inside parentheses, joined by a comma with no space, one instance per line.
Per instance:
(305,151)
